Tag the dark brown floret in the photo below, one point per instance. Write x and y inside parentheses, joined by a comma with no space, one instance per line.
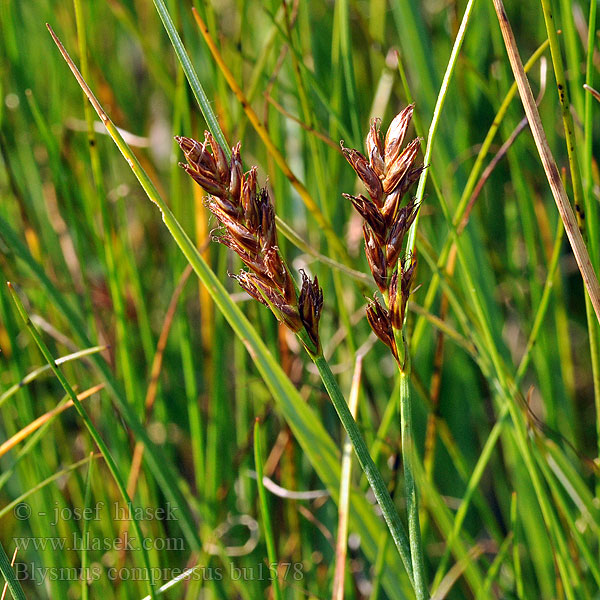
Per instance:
(310,303)
(375,258)
(366,173)
(379,320)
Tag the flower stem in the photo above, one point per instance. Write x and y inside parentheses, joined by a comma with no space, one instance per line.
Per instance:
(408,456)
(373,475)
(412,499)
(266,516)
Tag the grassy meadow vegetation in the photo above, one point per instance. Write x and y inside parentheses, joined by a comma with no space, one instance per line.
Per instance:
(163,435)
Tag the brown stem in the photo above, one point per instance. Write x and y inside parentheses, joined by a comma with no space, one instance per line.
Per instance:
(558,191)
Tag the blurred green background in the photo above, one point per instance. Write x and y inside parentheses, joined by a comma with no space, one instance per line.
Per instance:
(97,267)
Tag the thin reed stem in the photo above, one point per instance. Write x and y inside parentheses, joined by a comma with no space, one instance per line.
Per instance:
(437,113)
(585,205)
(345,489)
(446,252)
(478,471)
(405,409)
(412,499)
(85,559)
(591,211)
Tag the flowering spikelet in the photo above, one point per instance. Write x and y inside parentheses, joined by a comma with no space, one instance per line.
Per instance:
(398,298)
(310,303)
(381,324)
(248,219)
(387,172)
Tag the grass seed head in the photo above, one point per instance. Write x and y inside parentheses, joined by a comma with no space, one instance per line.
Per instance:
(386,220)
(375,148)
(375,257)
(397,169)
(404,219)
(247,217)
(408,276)
(366,173)
(395,135)
(395,302)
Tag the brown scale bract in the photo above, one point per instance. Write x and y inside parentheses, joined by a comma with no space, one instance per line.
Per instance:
(381,324)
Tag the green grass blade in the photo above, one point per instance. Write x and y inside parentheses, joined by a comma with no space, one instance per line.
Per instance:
(85,532)
(265,511)
(5,510)
(9,575)
(192,77)
(158,462)
(460,36)
(13,389)
(111,464)
(366,462)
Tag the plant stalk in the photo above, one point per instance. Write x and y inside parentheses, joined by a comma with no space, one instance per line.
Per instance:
(280,386)
(412,499)
(390,514)
(266,515)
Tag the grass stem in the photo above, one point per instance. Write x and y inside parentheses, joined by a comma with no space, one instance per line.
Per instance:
(412,499)
(266,514)
(390,514)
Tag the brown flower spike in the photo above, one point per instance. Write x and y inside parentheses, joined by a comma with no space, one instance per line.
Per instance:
(387,172)
(248,219)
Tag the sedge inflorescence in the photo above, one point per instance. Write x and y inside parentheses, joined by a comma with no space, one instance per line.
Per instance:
(387,172)
(247,216)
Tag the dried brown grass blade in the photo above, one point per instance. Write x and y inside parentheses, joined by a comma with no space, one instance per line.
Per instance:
(592,91)
(37,423)
(558,191)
